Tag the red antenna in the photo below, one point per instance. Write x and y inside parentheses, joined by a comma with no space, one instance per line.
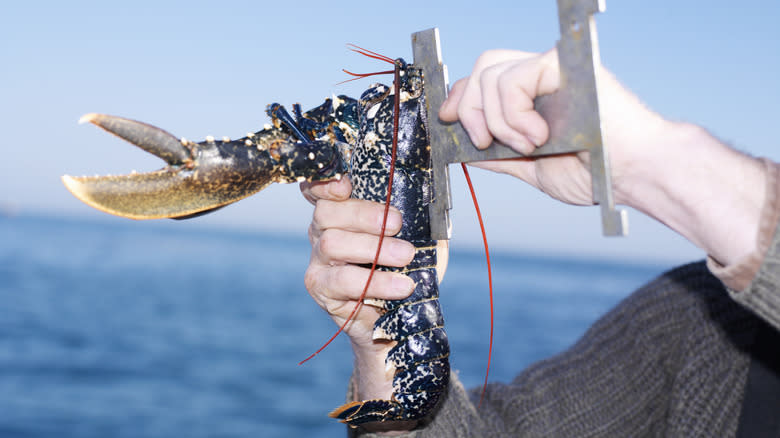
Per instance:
(370,54)
(490,277)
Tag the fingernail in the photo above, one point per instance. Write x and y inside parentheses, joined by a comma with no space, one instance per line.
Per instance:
(401,252)
(523,145)
(394,220)
(535,140)
(477,141)
(403,285)
(444,108)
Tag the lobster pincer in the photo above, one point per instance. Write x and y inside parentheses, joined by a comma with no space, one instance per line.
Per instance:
(204,176)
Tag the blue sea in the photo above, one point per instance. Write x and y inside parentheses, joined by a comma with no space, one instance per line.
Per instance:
(155,329)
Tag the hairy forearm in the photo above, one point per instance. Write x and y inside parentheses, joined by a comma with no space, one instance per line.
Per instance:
(704,190)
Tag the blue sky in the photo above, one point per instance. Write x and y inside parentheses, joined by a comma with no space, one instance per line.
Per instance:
(209,68)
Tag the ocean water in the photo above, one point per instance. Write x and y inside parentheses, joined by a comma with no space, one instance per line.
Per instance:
(156,329)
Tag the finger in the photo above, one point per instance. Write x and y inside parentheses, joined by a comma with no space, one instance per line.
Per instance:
(335,190)
(346,283)
(470,107)
(518,86)
(471,115)
(356,215)
(449,108)
(336,246)
(442,258)
(494,104)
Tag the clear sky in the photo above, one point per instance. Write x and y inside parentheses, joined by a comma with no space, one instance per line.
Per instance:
(200,68)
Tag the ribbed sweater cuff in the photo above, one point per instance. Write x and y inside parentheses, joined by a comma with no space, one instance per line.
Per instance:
(752,281)
(738,276)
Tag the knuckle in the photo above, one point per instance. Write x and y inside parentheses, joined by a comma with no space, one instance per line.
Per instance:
(487,57)
(368,217)
(483,59)
(305,188)
(313,234)
(550,56)
(508,84)
(332,307)
(311,278)
(330,241)
(321,214)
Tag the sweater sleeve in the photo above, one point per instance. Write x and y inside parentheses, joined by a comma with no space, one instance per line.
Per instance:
(754,281)
(638,371)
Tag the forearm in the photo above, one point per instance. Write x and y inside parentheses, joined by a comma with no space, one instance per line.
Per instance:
(371,379)
(704,190)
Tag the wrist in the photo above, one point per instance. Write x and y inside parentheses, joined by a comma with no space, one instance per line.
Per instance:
(373,378)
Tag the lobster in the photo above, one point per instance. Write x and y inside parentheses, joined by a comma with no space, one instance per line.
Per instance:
(378,139)
(420,355)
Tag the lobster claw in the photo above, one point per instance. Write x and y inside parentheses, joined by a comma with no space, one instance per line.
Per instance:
(200,177)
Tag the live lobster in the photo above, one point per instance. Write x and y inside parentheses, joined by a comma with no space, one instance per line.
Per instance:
(384,133)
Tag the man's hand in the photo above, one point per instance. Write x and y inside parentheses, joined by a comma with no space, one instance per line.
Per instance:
(675,172)
(344,232)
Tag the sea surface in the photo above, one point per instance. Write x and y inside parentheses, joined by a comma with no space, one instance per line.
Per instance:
(159,329)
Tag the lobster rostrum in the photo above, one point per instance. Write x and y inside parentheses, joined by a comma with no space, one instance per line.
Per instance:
(381,140)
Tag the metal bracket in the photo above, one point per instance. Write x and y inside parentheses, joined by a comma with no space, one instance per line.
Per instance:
(572,114)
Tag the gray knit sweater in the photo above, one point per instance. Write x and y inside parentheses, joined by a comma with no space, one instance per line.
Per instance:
(665,362)
(671,360)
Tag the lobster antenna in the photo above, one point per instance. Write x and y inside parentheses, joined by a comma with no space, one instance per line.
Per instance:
(370,54)
(362,75)
(375,263)
(490,278)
